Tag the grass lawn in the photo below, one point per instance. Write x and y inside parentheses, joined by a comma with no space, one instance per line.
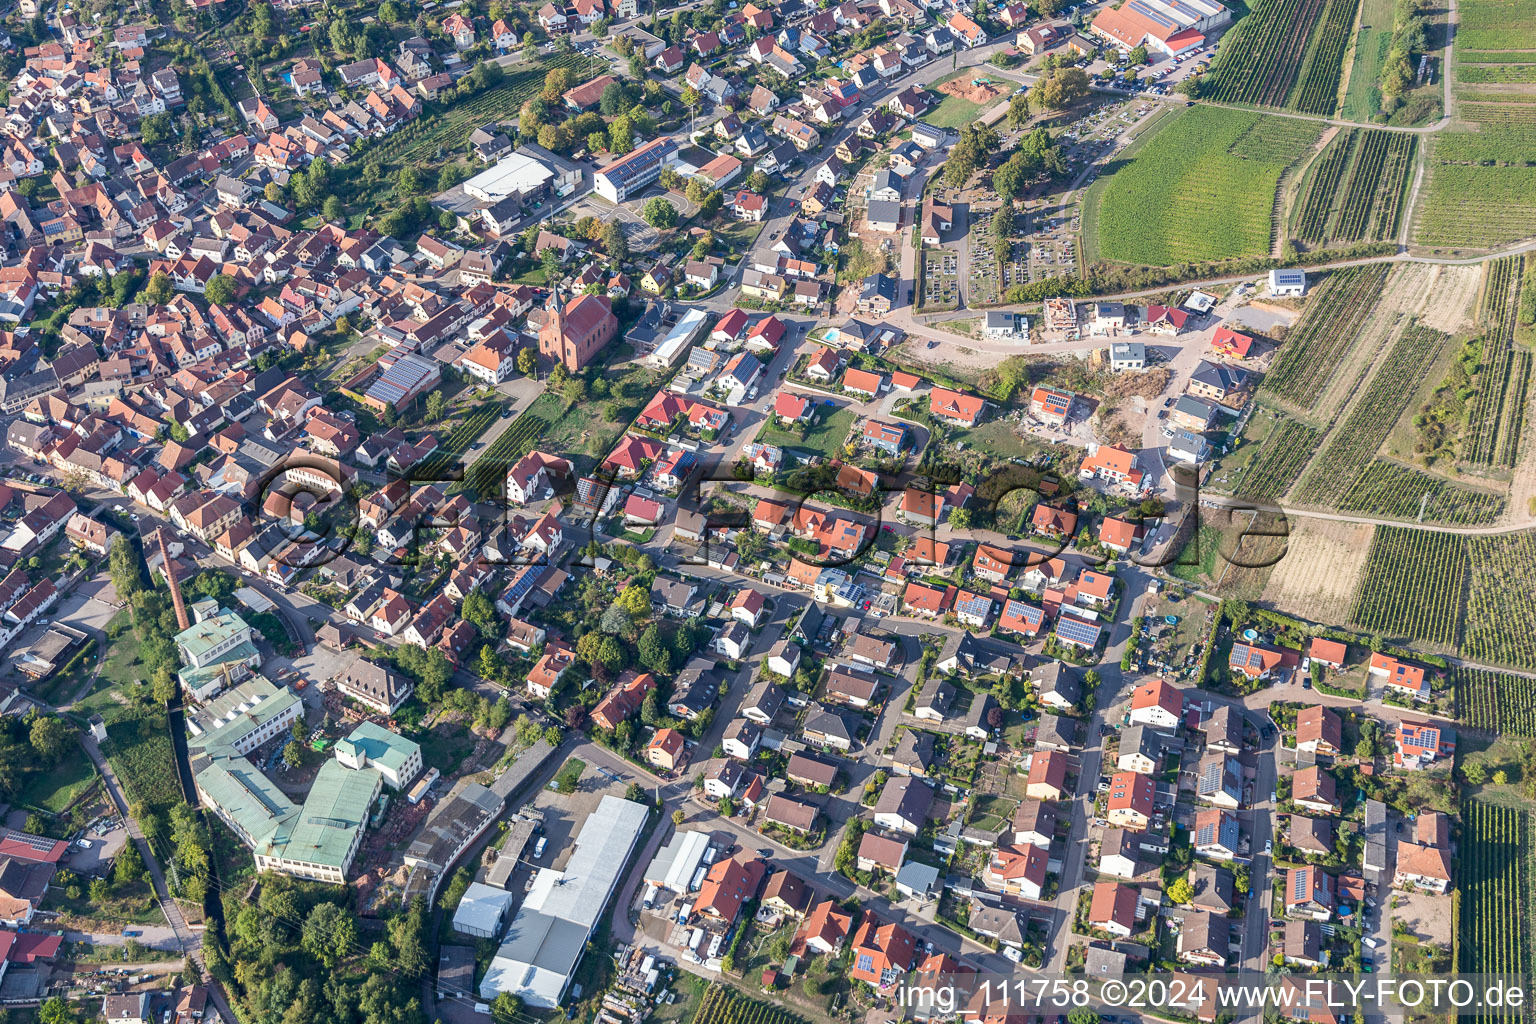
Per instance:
(128,904)
(738,235)
(570,774)
(1197,560)
(953,111)
(587,430)
(824,437)
(1362,97)
(60,787)
(996,437)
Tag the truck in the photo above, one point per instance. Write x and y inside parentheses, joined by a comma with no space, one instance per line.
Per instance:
(538,847)
(695,941)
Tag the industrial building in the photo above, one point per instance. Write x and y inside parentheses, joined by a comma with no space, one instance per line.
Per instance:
(482,911)
(676,864)
(547,937)
(393,756)
(632,172)
(216,638)
(514,174)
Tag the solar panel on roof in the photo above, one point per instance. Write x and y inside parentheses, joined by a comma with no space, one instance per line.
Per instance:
(1077,631)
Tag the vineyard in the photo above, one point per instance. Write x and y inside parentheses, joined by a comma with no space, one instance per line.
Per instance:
(1318,89)
(1211,173)
(1280,460)
(1394,491)
(1480,186)
(722,1005)
(1501,599)
(1331,325)
(1495,885)
(1494,701)
(1260,58)
(1496,25)
(438,464)
(1355,443)
(1497,416)
(1357,190)
(487,475)
(1412,585)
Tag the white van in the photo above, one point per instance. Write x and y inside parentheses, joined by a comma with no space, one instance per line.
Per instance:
(538,847)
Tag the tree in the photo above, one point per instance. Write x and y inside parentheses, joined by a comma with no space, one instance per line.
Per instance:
(1180,891)
(56,1010)
(659,213)
(549,262)
(273,193)
(615,244)
(1059,89)
(678,817)
(574,390)
(711,205)
(656,657)
(1501,777)
(507,1007)
(329,934)
(123,568)
(156,129)
(128,866)
(600,650)
(435,403)
(616,620)
(293,754)
(615,99)
(960,519)
(220,289)
(759,182)
(409,181)
(49,737)
(159,291)
(1475,772)
(1138,56)
(527,362)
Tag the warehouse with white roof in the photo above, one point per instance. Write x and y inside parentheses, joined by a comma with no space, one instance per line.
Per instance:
(513,174)
(545,941)
(482,911)
(674,865)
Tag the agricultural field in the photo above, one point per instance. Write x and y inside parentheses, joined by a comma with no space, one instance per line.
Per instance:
(1280,459)
(1480,188)
(487,475)
(1362,97)
(1394,491)
(474,422)
(1495,701)
(1412,585)
(1501,599)
(1356,190)
(1495,886)
(1354,443)
(1317,86)
(1317,577)
(1496,419)
(1261,57)
(1212,174)
(1495,25)
(1326,332)
(722,1005)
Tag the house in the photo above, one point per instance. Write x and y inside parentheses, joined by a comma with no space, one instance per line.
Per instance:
(763,702)
(1217,381)
(733,641)
(1328,652)
(1113,909)
(1120,853)
(665,749)
(1112,463)
(813,772)
(788,894)
(1057,685)
(1303,943)
(1230,343)
(1219,780)
(824,727)
(1401,676)
(1119,535)
(741,739)
(1157,704)
(1425,861)
(890,438)
(1056,732)
(1127,356)
(914,754)
(1314,789)
(624,700)
(1253,660)
(1192,414)
(852,685)
(1051,405)
(728,884)
(824,930)
(934,701)
(791,814)
(1164,320)
(1018,870)
(1047,778)
(1034,824)
(882,952)
(1309,893)
(1421,744)
(1204,938)
(881,852)
(1287,282)
(1215,888)
(1130,801)
(955,408)
(1223,729)
(877,293)
(1311,835)
(1319,730)
(1215,834)
(1141,750)
(903,805)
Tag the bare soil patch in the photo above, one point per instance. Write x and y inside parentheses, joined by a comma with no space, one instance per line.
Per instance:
(979,90)
(1426,915)
(1317,576)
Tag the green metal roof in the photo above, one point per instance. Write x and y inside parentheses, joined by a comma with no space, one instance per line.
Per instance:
(336,809)
(378,745)
(236,712)
(202,637)
(245,794)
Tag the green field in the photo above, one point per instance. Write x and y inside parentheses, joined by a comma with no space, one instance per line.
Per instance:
(1480,186)
(1202,188)
(1355,190)
(825,437)
(59,788)
(1362,97)
(1496,25)
(952,111)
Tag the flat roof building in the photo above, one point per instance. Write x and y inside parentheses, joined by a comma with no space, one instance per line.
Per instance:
(482,911)
(396,758)
(513,174)
(546,939)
